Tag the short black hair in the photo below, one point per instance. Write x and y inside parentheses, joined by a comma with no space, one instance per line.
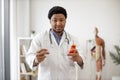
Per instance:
(57,10)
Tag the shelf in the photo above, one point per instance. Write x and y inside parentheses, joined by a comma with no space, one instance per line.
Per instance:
(24,70)
(22,55)
(27,73)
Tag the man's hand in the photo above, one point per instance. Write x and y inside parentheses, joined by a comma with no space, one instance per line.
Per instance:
(76,57)
(40,56)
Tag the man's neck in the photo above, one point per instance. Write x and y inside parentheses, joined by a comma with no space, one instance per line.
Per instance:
(58,33)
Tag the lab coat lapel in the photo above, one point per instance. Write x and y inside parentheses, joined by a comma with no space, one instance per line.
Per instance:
(54,40)
(62,39)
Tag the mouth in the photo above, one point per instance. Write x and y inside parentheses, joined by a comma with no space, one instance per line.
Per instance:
(59,29)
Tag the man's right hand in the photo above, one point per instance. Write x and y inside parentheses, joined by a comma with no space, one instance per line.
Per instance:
(40,56)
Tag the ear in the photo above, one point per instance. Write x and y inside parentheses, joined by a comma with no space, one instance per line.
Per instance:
(50,21)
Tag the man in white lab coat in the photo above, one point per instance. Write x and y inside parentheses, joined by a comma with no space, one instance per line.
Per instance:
(50,51)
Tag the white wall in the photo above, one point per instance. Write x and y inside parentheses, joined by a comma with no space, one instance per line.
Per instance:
(13,40)
(19,27)
(83,16)
(22,17)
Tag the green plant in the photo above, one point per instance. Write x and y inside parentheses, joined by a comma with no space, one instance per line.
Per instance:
(116,56)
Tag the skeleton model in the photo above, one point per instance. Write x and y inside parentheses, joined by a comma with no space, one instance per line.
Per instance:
(98,52)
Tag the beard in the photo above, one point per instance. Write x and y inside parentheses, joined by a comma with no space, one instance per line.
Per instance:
(58,31)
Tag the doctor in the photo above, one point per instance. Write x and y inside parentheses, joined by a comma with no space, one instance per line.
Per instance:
(49,51)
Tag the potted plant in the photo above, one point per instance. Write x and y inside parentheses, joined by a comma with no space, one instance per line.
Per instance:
(116,56)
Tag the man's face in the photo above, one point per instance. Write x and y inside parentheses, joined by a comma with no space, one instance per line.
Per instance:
(57,22)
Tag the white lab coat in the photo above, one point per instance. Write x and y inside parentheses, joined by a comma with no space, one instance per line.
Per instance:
(57,65)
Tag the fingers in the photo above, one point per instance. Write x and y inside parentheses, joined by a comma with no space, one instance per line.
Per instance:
(41,58)
(73,53)
(42,52)
(41,55)
(74,56)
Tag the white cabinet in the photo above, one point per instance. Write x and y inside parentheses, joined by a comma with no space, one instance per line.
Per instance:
(24,70)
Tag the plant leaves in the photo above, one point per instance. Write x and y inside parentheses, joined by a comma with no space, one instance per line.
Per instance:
(115,58)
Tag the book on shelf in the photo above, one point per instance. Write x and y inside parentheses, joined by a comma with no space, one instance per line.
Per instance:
(23,50)
(22,78)
(23,69)
(27,67)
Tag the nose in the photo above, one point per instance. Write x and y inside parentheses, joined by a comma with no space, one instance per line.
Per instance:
(58,23)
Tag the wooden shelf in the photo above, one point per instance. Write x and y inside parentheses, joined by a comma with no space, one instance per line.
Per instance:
(22,55)
(24,70)
(27,73)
